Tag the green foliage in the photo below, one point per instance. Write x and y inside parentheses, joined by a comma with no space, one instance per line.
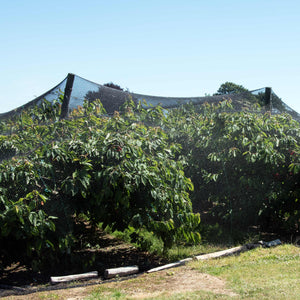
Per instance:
(113,86)
(230,88)
(244,166)
(24,229)
(132,170)
(118,171)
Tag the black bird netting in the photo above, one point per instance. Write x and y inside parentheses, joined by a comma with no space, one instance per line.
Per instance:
(236,156)
(81,89)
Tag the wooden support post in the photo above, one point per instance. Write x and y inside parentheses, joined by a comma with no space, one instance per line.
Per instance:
(221,253)
(67,96)
(172,265)
(122,271)
(67,278)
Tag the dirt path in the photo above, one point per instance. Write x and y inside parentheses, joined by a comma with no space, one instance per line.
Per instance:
(110,253)
(167,282)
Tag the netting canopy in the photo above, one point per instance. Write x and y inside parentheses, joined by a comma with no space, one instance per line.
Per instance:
(77,89)
(240,170)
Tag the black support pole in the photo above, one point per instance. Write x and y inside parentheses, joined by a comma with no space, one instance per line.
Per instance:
(67,96)
(268,98)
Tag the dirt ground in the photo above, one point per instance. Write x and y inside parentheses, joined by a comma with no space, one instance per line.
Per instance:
(109,253)
(19,283)
(167,282)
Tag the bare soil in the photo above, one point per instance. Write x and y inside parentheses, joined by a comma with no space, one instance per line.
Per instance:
(18,282)
(167,282)
(109,253)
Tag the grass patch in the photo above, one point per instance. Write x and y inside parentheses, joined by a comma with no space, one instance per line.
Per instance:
(106,293)
(51,296)
(257,274)
(200,295)
(147,241)
(180,252)
(262,273)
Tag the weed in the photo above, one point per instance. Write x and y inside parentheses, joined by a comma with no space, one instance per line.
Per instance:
(106,294)
(50,296)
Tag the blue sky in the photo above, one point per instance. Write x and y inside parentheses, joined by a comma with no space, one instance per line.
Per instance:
(163,48)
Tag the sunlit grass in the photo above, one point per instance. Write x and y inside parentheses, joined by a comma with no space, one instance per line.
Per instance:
(262,273)
(104,293)
(52,296)
(199,295)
